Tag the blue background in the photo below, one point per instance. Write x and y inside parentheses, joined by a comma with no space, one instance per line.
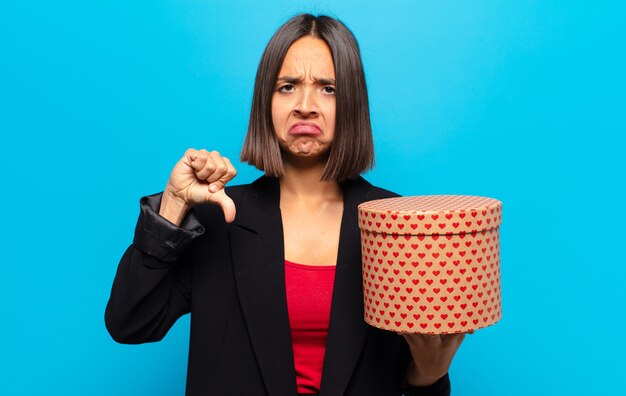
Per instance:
(518,100)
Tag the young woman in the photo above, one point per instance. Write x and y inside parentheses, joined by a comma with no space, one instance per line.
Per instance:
(271,271)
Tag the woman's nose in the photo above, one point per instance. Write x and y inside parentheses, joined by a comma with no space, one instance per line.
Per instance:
(306,106)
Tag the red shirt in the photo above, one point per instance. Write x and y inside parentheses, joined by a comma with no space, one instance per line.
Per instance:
(309,294)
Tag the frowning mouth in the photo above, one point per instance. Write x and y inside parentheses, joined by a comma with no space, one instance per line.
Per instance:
(305,128)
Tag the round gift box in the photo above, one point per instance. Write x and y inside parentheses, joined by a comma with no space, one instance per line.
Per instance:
(431,264)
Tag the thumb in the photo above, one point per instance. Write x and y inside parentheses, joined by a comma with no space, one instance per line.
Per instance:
(226,203)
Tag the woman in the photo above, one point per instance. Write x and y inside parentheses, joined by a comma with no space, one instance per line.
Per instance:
(271,270)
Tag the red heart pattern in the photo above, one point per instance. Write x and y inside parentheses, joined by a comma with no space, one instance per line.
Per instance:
(431,264)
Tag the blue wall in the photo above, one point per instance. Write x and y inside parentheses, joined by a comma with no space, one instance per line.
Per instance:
(518,100)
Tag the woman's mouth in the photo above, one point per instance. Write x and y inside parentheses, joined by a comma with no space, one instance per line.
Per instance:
(305,128)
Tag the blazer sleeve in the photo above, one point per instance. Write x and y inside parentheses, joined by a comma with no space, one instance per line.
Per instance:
(152,285)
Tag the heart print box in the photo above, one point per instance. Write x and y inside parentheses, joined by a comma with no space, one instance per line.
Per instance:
(431,264)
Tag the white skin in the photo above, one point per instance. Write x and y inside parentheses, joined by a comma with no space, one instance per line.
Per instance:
(303,115)
(305,93)
(198,177)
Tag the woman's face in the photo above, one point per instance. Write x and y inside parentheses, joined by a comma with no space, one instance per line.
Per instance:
(303,103)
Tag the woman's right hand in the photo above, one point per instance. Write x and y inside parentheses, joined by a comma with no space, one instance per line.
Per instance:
(199,177)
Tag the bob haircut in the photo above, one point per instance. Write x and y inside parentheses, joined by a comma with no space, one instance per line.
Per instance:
(352,150)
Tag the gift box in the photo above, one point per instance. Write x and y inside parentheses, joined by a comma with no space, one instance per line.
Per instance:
(431,264)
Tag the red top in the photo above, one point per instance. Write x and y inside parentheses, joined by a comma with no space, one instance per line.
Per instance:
(309,294)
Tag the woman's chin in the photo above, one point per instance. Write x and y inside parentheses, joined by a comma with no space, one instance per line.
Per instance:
(306,157)
(307,149)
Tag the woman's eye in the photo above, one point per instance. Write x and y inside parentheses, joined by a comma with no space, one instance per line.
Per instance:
(328,89)
(286,88)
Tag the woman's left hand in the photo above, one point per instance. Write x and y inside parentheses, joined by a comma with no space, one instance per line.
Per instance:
(432,356)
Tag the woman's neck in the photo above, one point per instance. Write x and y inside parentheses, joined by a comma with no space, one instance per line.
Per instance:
(304,183)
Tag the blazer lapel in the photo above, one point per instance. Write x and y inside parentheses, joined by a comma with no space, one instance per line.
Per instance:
(258,261)
(347,331)
(258,258)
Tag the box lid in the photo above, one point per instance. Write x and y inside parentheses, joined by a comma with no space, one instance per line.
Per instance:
(430,215)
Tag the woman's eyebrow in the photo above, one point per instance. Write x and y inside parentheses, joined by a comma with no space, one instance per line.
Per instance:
(295,80)
(289,79)
(325,81)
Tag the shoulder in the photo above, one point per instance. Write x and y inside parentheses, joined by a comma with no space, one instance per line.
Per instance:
(365,191)
(269,187)
(264,191)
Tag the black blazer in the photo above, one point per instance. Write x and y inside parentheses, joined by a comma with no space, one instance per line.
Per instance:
(231,278)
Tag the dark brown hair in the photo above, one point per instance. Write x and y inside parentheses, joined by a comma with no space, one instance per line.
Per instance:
(352,151)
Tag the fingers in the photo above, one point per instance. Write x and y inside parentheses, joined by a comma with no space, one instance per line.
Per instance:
(211,167)
(422,340)
(204,176)
(194,159)
(445,340)
(204,163)
(225,172)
